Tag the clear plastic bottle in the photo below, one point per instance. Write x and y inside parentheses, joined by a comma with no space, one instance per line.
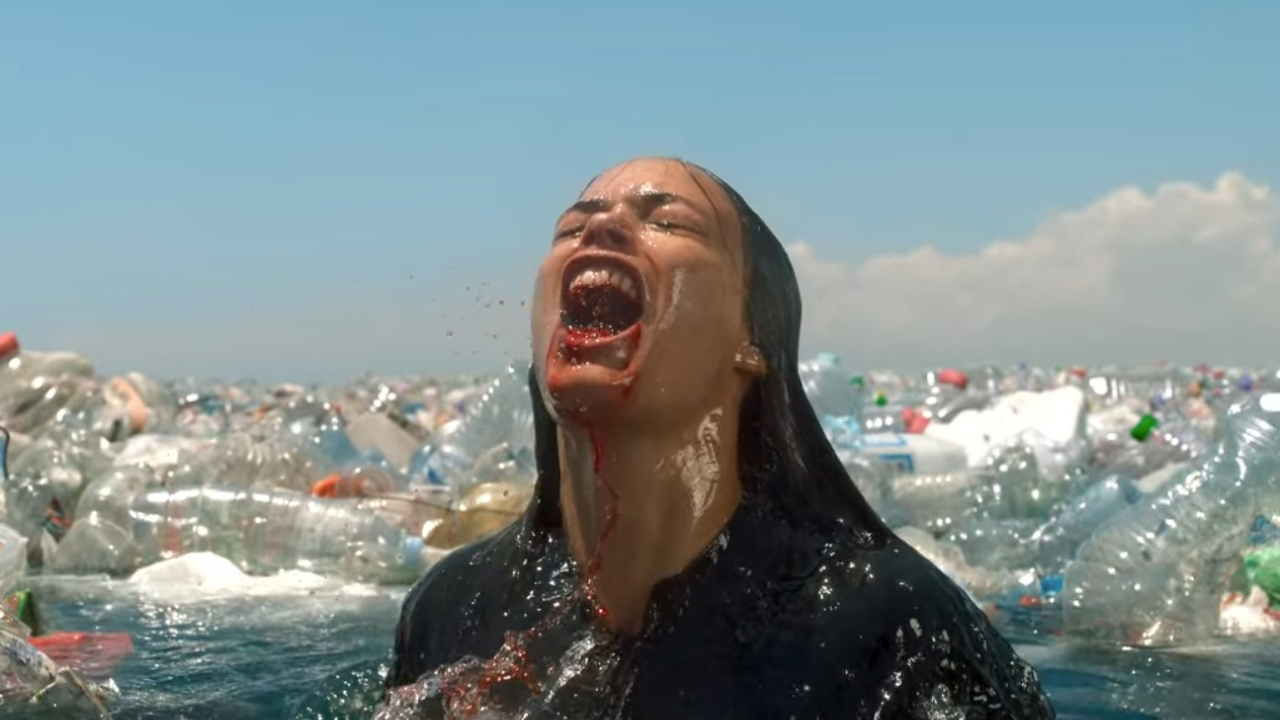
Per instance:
(1075,522)
(844,431)
(125,523)
(1153,574)
(44,484)
(21,368)
(1008,485)
(503,415)
(288,461)
(13,557)
(830,388)
(995,544)
(1148,446)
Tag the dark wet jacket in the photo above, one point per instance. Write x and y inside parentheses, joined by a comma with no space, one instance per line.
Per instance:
(776,620)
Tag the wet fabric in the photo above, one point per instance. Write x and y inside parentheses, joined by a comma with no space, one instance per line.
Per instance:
(777,619)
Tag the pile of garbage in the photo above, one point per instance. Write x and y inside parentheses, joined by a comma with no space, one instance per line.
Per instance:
(1127,505)
(1134,505)
(371,482)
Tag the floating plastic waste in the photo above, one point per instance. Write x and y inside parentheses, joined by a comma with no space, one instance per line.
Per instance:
(1120,505)
(1154,575)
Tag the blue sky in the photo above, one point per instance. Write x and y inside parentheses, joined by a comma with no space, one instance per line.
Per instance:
(312,189)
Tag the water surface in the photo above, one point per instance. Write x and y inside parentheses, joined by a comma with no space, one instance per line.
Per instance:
(321,653)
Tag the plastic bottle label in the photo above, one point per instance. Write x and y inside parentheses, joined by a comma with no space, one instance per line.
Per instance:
(904,462)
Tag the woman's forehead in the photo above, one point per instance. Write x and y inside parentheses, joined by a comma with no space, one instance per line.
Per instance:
(666,176)
(661,175)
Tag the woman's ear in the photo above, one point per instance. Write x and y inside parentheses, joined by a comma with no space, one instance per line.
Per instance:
(750,360)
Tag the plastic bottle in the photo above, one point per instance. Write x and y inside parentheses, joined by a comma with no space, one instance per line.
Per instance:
(502,415)
(914,454)
(941,388)
(18,366)
(874,479)
(844,431)
(13,557)
(1153,574)
(830,388)
(1057,540)
(43,485)
(13,546)
(33,406)
(1143,449)
(34,387)
(1008,485)
(945,412)
(262,531)
(283,461)
(996,544)
(882,417)
(1051,423)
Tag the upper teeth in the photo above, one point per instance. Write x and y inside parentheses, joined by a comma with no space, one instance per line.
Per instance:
(599,276)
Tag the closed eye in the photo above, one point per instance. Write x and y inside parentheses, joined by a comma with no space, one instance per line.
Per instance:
(669,226)
(569,232)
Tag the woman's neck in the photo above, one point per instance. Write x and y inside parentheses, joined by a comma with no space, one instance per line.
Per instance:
(655,499)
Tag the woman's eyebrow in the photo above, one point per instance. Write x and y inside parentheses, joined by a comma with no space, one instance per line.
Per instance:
(644,198)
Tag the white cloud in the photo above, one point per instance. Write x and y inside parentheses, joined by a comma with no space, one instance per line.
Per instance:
(1185,273)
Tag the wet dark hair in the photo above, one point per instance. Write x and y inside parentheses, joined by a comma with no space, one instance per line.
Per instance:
(783,455)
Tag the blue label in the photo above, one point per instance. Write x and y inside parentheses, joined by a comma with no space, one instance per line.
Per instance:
(903,461)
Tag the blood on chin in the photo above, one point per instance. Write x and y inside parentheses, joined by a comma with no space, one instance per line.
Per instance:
(587,366)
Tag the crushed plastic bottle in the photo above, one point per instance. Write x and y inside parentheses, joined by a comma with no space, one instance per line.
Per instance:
(1058,539)
(128,526)
(502,416)
(44,484)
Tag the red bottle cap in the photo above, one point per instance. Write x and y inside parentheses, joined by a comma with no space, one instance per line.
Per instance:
(954,378)
(8,345)
(917,424)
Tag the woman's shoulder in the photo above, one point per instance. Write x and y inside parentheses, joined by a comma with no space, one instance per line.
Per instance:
(444,606)
(889,581)
(891,612)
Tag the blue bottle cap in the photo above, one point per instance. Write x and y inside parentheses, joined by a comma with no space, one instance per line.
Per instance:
(411,548)
(1051,585)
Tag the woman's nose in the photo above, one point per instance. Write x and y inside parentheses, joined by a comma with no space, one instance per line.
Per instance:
(608,231)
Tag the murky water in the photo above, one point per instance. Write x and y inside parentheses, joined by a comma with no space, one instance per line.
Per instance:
(321,653)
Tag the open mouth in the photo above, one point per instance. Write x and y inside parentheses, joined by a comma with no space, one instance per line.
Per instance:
(602,298)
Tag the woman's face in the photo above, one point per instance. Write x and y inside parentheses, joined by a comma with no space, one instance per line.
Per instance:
(639,306)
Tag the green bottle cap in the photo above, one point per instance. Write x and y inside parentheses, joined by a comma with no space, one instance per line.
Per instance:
(881,400)
(1142,430)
